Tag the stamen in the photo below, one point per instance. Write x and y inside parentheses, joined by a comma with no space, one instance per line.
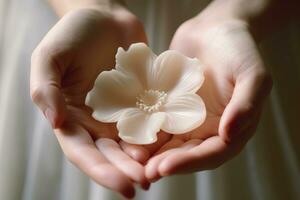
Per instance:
(151,100)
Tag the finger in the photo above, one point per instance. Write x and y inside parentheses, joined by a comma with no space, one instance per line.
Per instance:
(210,154)
(80,149)
(172,148)
(136,152)
(173,143)
(248,96)
(112,151)
(45,78)
(152,165)
(143,153)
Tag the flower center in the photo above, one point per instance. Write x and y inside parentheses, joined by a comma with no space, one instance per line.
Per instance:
(151,100)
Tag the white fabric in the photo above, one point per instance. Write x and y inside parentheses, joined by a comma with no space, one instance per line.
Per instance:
(32,166)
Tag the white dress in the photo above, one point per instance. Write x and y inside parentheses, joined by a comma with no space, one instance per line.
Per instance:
(32,166)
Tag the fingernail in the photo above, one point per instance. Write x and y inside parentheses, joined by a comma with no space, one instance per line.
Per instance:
(129,194)
(50,117)
(146,185)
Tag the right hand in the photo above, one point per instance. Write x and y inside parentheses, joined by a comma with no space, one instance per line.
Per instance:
(63,69)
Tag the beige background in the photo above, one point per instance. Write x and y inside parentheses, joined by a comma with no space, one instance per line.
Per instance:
(32,166)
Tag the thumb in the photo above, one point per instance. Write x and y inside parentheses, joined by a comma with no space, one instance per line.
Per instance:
(45,87)
(242,112)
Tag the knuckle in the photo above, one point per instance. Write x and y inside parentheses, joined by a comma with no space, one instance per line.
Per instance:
(36,94)
(44,52)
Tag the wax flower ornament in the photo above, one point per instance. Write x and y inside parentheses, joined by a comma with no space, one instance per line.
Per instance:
(146,93)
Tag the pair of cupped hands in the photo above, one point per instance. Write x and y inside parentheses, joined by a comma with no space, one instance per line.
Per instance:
(84,42)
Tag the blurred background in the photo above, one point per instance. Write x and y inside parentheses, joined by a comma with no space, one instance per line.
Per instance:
(32,166)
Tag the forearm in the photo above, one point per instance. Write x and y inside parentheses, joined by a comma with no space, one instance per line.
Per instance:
(262,16)
(63,6)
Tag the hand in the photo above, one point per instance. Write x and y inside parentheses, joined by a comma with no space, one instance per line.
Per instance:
(64,67)
(234,91)
(235,88)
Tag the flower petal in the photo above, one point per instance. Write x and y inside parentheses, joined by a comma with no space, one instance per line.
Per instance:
(138,127)
(113,92)
(176,73)
(137,60)
(183,113)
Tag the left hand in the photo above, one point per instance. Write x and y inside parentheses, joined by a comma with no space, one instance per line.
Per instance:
(235,88)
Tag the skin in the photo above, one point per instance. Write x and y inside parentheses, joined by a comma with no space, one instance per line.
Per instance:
(237,83)
(234,91)
(64,67)
(83,43)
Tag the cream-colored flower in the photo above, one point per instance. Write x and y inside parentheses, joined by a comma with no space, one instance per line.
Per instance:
(146,93)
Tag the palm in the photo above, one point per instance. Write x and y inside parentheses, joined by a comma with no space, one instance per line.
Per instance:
(223,57)
(84,46)
(227,51)
(81,45)
(89,55)
(88,48)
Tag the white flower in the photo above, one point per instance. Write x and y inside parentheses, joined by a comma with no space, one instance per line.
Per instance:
(146,93)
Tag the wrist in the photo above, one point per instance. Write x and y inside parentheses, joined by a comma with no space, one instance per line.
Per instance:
(114,12)
(260,16)
(228,9)
(61,7)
